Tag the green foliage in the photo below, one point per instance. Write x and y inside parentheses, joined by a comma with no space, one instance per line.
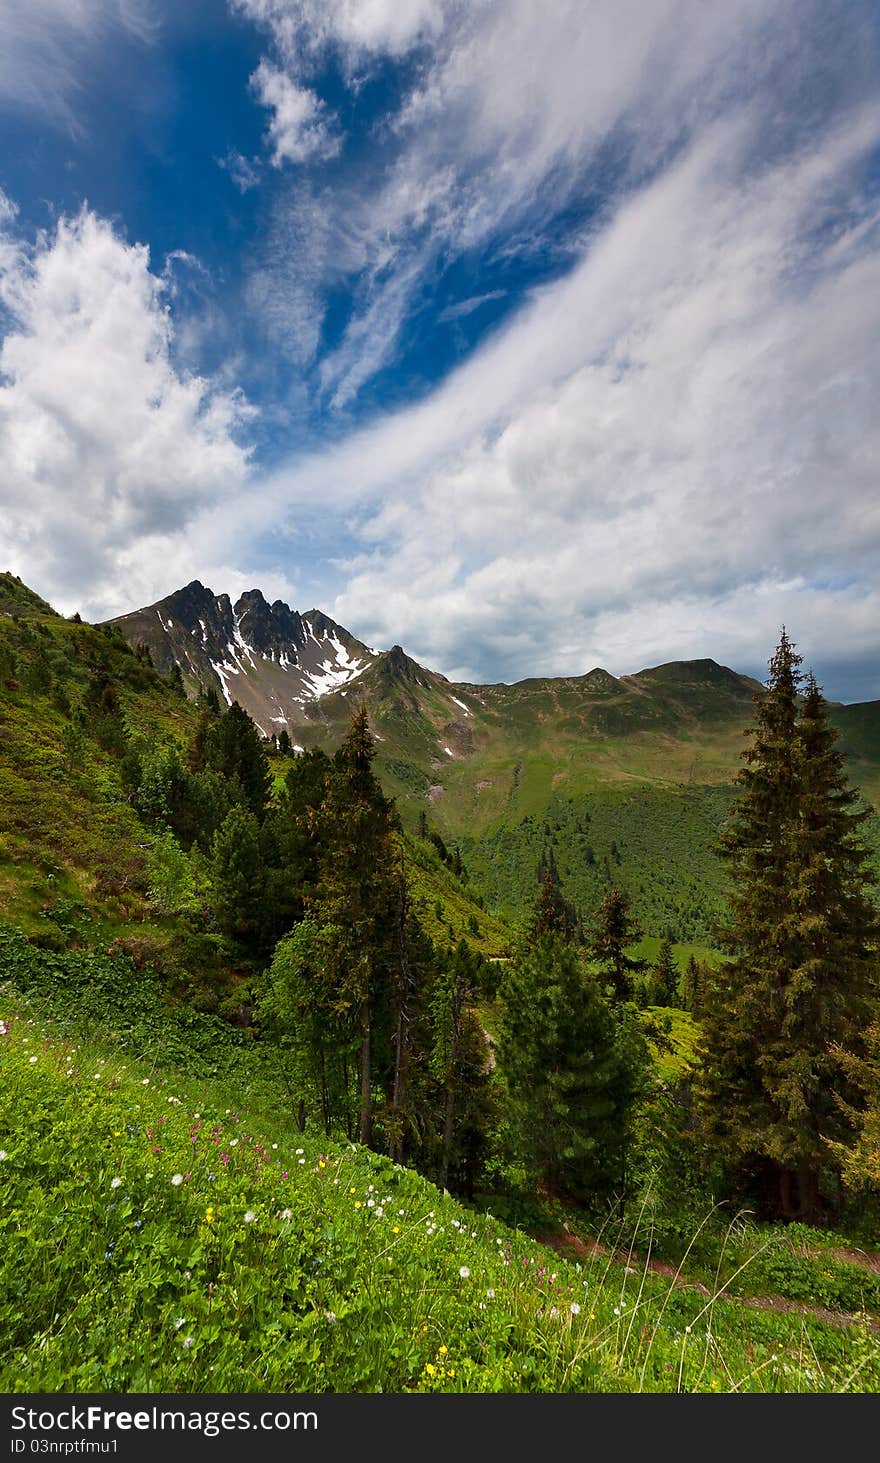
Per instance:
(803,934)
(238,875)
(573,1071)
(663,856)
(613,931)
(170,875)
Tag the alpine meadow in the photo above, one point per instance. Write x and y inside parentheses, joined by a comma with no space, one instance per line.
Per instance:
(470,984)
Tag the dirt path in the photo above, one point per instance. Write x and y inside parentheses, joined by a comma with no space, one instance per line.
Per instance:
(572,1247)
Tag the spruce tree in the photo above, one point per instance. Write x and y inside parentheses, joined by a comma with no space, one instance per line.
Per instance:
(802,934)
(551,912)
(232,746)
(358,892)
(614,929)
(238,876)
(572,1071)
(664,977)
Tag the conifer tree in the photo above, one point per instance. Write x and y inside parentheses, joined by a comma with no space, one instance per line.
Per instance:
(232,747)
(358,893)
(551,912)
(802,934)
(238,876)
(453,988)
(614,929)
(572,1072)
(664,977)
(692,985)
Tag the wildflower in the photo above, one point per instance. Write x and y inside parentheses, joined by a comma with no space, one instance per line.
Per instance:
(371,1203)
(249,1216)
(187,1341)
(181,1321)
(490,1294)
(287,1214)
(115,1183)
(357,1203)
(430,1369)
(298,1150)
(396,1229)
(330,1316)
(177,1179)
(379,1211)
(575,1308)
(301,1160)
(464,1272)
(145,1081)
(209,1216)
(32,1059)
(442,1351)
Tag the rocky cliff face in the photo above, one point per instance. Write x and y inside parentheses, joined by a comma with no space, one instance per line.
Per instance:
(276,662)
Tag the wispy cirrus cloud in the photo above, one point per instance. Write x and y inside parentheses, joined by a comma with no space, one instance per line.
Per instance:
(44,45)
(664,453)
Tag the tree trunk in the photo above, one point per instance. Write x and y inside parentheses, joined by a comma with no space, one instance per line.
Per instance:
(447,1135)
(365,1128)
(808,1194)
(785,1199)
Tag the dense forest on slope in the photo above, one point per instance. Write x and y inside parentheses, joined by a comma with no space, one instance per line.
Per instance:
(180,893)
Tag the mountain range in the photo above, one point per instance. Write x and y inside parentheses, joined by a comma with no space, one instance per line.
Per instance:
(472,754)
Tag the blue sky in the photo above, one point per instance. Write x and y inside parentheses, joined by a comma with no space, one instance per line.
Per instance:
(533,336)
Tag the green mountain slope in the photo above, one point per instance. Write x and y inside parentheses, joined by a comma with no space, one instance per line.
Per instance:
(167,1228)
(73,852)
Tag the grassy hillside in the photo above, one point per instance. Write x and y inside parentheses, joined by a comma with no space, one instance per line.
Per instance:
(73,852)
(167,1228)
(71,847)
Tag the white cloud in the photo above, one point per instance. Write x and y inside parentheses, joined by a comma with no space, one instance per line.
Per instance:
(664,454)
(299,129)
(106,450)
(461,308)
(358,27)
(44,44)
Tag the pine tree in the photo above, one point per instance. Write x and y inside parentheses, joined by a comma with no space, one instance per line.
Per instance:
(301,1008)
(232,747)
(551,912)
(238,877)
(614,929)
(802,934)
(692,986)
(358,892)
(572,1073)
(453,988)
(664,977)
